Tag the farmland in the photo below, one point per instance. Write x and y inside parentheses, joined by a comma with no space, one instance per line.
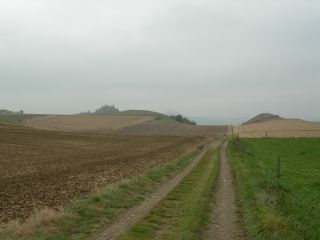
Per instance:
(123,123)
(279,128)
(139,175)
(280,204)
(49,169)
(170,128)
(101,123)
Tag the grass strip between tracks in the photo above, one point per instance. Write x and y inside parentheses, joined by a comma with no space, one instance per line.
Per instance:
(84,217)
(183,214)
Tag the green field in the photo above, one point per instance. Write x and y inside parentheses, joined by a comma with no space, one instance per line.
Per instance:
(285,207)
(183,214)
(16,119)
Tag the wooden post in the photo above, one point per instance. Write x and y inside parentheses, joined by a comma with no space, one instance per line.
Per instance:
(252,153)
(278,171)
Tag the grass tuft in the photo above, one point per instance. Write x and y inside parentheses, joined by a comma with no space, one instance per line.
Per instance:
(44,218)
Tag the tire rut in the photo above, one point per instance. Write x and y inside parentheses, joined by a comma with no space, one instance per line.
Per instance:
(225,223)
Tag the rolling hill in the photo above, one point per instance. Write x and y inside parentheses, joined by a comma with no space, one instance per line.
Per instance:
(278,128)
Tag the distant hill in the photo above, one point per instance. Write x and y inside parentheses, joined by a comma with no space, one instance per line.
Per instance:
(104,120)
(157,116)
(113,111)
(263,117)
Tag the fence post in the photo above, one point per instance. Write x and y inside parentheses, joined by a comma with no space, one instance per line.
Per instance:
(278,171)
(253,153)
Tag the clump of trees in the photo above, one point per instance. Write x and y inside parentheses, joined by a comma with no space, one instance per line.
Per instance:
(8,112)
(103,110)
(106,109)
(180,118)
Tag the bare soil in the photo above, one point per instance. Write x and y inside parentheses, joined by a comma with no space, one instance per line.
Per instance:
(225,223)
(99,123)
(171,129)
(134,215)
(49,169)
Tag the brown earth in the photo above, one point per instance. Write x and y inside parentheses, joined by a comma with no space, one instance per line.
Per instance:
(279,128)
(168,128)
(46,168)
(101,123)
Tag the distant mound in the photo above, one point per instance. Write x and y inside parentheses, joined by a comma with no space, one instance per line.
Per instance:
(278,128)
(263,117)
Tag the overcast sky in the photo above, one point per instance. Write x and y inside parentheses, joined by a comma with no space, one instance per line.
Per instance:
(222,59)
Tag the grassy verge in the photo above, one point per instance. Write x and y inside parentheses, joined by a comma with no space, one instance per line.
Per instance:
(184,212)
(85,216)
(285,207)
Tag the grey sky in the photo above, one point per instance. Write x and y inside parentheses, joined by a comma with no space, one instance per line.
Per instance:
(219,59)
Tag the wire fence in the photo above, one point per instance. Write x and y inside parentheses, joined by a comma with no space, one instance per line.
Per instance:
(276,175)
(270,133)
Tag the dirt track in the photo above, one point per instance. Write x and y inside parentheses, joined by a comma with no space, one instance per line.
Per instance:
(224,220)
(43,168)
(134,215)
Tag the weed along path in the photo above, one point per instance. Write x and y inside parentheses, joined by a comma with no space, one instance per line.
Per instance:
(136,214)
(225,223)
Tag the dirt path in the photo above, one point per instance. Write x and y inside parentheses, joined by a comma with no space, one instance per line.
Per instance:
(134,215)
(224,220)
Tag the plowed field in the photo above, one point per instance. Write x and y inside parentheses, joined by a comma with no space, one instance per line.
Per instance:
(172,129)
(43,168)
(101,123)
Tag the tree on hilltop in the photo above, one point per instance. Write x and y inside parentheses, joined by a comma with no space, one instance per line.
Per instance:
(106,109)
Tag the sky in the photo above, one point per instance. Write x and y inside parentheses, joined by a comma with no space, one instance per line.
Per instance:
(218,59)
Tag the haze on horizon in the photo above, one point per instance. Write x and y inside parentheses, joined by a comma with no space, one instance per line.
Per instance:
(220,59)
